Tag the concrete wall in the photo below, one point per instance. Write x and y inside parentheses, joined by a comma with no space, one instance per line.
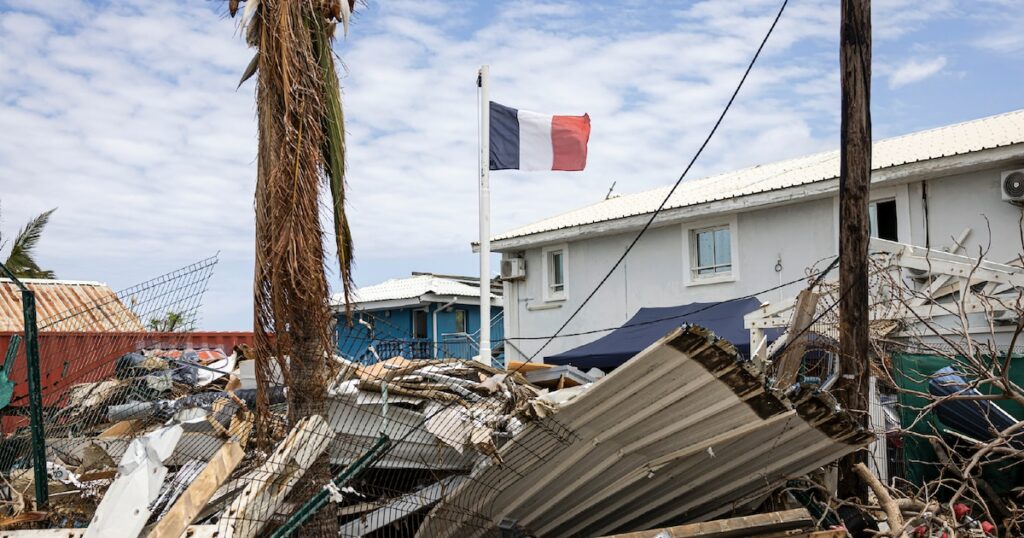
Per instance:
(772,245)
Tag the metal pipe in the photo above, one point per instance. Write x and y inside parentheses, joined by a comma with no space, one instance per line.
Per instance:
(833,368)
(485,213)
(434,316)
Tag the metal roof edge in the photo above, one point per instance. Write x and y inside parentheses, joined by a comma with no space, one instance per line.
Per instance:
(758,200)
(55,282)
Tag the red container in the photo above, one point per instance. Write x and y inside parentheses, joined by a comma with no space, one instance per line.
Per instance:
(70,358)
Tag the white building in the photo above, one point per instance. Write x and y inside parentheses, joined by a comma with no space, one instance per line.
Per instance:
(741,232)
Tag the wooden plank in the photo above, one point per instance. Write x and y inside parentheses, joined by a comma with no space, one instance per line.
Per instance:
(792,356)
(523,367)
(125,428)
(192,501)
(267,486)
(796,519)
(930,290)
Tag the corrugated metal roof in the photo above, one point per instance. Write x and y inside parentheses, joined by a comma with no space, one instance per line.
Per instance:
(986,133)
(684,430)
(412,287)
(67,305)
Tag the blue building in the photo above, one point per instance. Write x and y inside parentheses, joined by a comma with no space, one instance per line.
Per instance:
(423,316)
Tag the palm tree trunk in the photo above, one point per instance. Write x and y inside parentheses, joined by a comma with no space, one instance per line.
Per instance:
(292,313)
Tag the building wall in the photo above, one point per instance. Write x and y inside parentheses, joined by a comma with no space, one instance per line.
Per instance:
(772,245)
(396,324)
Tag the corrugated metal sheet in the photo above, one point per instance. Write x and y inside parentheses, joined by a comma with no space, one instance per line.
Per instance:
(683,431)
(66,305)
(412,287)
(986,133)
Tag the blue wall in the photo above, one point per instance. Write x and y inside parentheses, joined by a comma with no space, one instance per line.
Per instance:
(392,332)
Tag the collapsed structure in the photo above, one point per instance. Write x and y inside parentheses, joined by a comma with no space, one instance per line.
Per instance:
(160,441)
(433,448)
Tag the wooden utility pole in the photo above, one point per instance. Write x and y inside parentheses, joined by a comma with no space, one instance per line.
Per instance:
(854,183)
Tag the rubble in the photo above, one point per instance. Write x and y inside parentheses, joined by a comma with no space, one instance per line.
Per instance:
(687,430)
(165,442)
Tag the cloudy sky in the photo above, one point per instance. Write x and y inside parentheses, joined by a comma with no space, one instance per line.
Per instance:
(124,114)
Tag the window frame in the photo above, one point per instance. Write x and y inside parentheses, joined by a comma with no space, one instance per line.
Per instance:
(697,268)
(465,320)
(690,252)
(548,292)
(873,217)
(426,324)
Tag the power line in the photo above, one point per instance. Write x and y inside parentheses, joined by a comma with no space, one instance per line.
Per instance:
(732,98)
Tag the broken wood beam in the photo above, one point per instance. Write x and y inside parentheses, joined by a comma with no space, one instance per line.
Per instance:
(788,520)
(268,485)
(192,501)
(796,342)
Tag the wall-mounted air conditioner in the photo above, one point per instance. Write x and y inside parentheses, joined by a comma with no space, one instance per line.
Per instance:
(513,269)
(1012,186)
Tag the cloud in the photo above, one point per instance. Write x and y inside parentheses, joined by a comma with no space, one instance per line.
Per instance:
(124,114)
(915,71)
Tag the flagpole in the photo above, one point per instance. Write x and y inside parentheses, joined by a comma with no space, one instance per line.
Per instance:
(485,216)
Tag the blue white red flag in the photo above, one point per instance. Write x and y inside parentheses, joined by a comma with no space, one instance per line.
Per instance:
(524,140)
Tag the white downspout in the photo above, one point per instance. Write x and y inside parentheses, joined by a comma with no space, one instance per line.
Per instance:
(434,315)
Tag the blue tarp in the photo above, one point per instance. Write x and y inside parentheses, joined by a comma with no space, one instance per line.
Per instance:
(725,319)
(978,419)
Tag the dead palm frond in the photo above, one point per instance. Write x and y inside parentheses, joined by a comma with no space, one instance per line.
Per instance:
(301,157)
(21,259)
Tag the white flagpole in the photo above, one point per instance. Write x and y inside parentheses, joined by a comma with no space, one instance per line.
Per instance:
(485,217)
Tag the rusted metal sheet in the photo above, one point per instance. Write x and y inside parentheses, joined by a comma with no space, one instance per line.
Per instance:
(65,305)
(684,431)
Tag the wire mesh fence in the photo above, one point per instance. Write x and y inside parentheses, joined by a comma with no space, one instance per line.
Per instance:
(93,359)
(145,434)
(406,424)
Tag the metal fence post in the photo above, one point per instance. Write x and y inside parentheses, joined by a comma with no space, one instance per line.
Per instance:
(35,396)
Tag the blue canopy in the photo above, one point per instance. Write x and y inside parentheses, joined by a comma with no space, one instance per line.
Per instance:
(725,319)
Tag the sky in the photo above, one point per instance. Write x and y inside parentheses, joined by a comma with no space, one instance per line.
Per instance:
(124,114)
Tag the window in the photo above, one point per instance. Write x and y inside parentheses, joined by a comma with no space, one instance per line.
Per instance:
(461,325)
(713,251)
(555,273)
(882,220)
(419,324)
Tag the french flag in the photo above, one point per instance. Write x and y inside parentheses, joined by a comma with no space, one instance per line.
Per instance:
(524,140)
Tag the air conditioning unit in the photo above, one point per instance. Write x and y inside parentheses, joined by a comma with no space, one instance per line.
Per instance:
(1012,186)
(513,269)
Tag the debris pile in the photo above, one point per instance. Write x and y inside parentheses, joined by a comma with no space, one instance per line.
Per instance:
(167,442)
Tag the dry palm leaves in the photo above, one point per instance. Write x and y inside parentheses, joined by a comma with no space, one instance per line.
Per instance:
(301,154)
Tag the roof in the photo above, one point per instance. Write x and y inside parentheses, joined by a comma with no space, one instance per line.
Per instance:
(961,138)
(414,287)
(682,431)
(67,305)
